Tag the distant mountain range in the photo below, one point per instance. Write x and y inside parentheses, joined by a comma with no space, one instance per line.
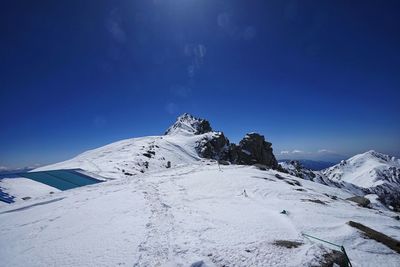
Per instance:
(16,170)
(314,165)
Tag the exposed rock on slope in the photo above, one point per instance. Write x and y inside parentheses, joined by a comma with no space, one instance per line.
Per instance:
(253,149)
(187,124)
(296,168)
(217,147)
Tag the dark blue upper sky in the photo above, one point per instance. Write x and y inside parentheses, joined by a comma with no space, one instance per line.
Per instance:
(309,75)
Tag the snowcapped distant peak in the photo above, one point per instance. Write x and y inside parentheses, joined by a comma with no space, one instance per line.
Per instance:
(372,156)
(377,172)
(187,124)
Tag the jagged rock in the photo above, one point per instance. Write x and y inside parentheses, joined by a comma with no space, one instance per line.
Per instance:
(187,124)
(295,168)
(214,147)
(389,197)
(253,149)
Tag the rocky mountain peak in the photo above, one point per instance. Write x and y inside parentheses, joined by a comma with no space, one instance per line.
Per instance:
(187,124)
(252,149)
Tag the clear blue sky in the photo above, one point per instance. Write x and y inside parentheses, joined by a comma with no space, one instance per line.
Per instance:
(309,75)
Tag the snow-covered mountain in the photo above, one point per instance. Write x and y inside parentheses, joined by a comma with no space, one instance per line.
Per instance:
(167,202)
(368,173)
(138,155)
(366,170)
(314,165)
(375,172)
(187,141)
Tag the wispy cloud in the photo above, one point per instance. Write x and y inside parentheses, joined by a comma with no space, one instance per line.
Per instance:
(295,151)
(3,168)
(298,151)
(326,151)
(226,23)
(114,26)
(197,54)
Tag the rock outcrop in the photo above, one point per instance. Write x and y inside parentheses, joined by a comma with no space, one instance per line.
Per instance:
(187,124)
(215,147)
(252,149)
(295,168)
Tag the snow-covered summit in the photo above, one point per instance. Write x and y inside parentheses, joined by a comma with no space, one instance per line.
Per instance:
(366,170)
(136,155)
(187,141)
(179,146)
(187,124)
(364,174)
(372,171)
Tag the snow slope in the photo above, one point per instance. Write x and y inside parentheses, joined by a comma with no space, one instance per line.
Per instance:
(187,214)
(139,155)
(366,170)
(22,187)
(136,155)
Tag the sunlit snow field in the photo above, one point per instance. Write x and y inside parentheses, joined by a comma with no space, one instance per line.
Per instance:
(191,213)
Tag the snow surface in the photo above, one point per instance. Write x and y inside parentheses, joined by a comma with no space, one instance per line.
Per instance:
(128,156)
(186,214)
(22,187)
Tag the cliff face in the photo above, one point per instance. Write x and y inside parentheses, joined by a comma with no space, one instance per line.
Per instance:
(253,149)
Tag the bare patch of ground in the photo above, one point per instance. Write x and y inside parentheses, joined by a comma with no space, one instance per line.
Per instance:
(315,201)
(287,243)
(332,258)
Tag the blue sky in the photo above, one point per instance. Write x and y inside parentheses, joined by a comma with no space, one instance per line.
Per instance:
(309,75)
